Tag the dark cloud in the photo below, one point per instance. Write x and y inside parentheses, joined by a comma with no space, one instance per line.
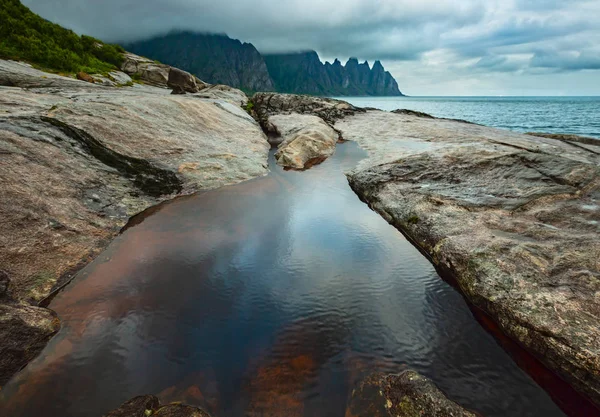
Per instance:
(470,38)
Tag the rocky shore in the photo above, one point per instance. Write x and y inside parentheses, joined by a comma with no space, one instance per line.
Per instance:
(78,159)
(514,218)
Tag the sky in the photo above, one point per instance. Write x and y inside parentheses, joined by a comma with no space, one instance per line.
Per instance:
(432,47)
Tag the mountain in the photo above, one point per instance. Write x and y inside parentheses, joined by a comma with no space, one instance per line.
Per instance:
(304,73)
(25,36)
(216,59)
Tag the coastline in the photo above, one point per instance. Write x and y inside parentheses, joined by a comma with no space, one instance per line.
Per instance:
(367,180)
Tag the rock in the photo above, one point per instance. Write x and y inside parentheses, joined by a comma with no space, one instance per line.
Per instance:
(184,80)
(514,218)
(4,284)
(201,84)
(78,162)
(569,138)
(19,74)
(306,140)
(330,110)
(148,71)
(406,395)
(24,332)
(413,113)
(180,410)
(224,92)
(142,406)
(85,77)
(148,405)
(102,80)
(178,90)
(120,78)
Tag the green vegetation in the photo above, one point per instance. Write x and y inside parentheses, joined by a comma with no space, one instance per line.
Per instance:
(249,106)
(27,37)
(414,219)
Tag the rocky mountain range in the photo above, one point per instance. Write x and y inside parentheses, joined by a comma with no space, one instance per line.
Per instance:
(218,59)
(304,73)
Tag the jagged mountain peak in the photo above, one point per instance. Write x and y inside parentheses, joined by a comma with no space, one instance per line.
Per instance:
(218,59)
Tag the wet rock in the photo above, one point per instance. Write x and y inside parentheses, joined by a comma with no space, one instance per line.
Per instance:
(406,395)
(24,332)
(182,80)
(514,218)
(148,405)
(269,104)
(180,410)
(85,77)
(142,406)
(413,113)
(306,140)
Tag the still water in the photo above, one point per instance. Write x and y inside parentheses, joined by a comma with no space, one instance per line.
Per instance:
(272,297)
(572,115)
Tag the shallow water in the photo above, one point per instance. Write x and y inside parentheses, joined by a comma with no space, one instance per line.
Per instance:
(271,297)
(573,115)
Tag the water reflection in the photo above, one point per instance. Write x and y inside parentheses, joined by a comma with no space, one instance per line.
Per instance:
(271,298)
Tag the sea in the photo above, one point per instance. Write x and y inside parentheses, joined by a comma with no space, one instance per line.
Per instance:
(569,115)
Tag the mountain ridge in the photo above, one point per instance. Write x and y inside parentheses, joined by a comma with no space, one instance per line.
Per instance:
(219,59)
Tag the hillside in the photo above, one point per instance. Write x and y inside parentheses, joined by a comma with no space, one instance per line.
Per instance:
(25,36)
(216,59)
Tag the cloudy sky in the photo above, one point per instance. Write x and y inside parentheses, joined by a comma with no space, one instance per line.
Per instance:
(432,47)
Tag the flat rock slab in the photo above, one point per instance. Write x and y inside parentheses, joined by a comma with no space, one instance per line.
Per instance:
(406,395)
(515,218)
(305,140)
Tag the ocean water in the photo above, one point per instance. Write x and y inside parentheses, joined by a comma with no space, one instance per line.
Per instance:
(572,115)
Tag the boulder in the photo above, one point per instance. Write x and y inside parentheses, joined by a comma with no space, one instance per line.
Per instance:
(149,405)
(148,71)
(406,395)
(305,140)
(182,80)
(24,332)
(330,110)
(85,77)
(515,219)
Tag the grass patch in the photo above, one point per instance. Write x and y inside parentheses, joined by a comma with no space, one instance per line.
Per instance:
(25,36)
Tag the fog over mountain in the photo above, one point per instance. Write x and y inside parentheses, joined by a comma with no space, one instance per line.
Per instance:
(530,47)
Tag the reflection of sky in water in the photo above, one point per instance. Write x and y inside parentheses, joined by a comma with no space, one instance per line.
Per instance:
(285,289)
